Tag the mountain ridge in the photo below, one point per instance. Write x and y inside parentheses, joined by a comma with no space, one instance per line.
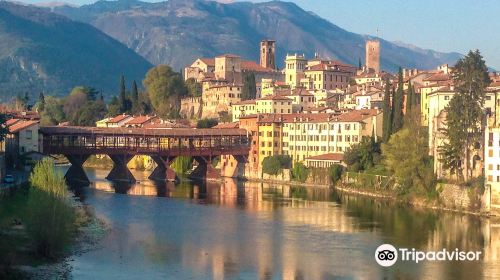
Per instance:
(176,32)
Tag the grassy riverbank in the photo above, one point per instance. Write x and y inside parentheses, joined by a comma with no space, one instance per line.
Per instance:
(41,224)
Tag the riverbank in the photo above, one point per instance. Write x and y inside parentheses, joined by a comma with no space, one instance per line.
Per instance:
(414,202)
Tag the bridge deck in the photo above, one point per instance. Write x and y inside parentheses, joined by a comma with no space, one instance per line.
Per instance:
(135,141)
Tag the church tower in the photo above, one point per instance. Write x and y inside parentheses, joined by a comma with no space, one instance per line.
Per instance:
(373,55)
(267,54)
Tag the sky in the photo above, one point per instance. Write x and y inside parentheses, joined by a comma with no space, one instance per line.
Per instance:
(441,25)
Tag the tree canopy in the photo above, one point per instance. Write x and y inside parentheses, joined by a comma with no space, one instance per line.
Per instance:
(165,89)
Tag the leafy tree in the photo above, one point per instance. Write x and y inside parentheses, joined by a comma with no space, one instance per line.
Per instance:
(113,107)
(300,172)
(273,165)
(73,103)
(90,113)
(464,114)
(165,89)
(406,156)
(53,112)
(387,113)
(3,129)
(206,123)
(193,87)
(397,118)
(182,164)
(335,172)
(51,222)
(363,155)
(249,89)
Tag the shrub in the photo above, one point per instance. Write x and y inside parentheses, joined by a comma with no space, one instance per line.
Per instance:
(335,172)
(273,165)
(206,123)
(51,221)
(300,172)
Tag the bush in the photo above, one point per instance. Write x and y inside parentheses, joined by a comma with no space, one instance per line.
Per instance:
(206,123)
(300,172)
(335,172)
(51,221)
(182,165)
(273,165)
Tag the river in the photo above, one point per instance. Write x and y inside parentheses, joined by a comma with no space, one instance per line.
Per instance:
(235,230)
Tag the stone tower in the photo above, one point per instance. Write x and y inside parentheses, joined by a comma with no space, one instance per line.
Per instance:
(373,55)
(267,54)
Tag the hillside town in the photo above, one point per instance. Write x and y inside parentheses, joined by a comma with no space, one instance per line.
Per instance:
(312,111)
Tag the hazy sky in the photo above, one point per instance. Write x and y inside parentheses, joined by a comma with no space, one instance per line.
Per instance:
(442,25)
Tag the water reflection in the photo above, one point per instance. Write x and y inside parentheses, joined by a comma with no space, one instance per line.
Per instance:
(252,230)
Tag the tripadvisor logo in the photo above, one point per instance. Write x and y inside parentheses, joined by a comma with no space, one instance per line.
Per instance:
(387,255)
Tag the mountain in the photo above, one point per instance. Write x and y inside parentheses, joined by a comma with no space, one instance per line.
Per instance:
(178,31)
(43,51)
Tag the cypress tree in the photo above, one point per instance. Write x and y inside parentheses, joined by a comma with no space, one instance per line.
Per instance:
(359,63)
(41,101)
(409,98)
(397,118)
(123,97)
(387,113)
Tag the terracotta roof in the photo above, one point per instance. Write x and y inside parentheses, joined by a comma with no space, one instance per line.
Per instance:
(118,118)
(140,120)
(331,156)
(208,61)
(230,125)
(11,122)
(438,77)
(249,65)
(352,116)
(21,125)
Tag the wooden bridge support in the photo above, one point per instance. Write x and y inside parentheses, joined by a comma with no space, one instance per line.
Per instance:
(163,170)
(120,171)
(75,171)
(205,169)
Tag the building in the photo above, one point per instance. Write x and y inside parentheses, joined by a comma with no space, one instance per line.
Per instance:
(274,105)
(492,166)
(325,160)
(218,98)
(242,109)
(21,140)
(295,65)
(200,69)
(327,75)
(268,54)
(373,55)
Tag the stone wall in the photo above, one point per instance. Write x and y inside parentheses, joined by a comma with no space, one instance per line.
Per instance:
(458,197)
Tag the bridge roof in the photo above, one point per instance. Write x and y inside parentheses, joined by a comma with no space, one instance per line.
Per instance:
(156,132)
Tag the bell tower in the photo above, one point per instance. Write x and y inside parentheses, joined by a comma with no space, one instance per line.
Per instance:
(267,54)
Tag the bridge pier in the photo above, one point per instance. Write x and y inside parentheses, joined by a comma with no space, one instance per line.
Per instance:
(75,171)
(234,166)
(205,169)
(120,171)
(163,170)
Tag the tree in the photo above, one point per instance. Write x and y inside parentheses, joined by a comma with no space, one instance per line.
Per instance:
(249,89)
(53,112)
(165,89)
(114,107)
(410,98)
(123,96)
(363,155)
(465,116)
(182,164)
(360,66)
(335,171)
(41,102)
(273,165)
(406,156)
(3,128)
(300,172)
(73,103)
(134,96)
(90,113)
(397,118)
(206,123)
(193,87)
(387,113)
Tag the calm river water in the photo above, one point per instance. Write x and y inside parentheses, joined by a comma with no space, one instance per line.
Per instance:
(259,231)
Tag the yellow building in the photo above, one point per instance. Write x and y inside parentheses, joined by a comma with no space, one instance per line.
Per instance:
(294,69)
(328,75)
(274,105)
(242,109)
(431,84)
(270,133)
